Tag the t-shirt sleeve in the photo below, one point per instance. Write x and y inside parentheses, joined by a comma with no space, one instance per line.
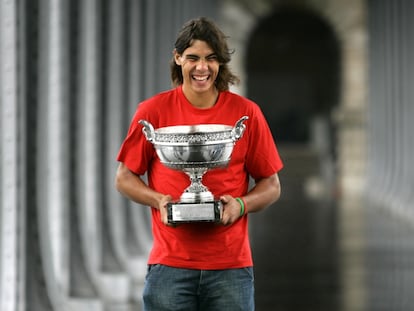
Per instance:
(263,158)
(136,152)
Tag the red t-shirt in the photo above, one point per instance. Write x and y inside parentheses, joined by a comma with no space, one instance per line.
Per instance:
(204,246)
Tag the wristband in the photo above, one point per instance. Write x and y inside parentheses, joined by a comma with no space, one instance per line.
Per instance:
(242,209)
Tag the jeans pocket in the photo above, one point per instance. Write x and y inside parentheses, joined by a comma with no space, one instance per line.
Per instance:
(150,268)
(250,272)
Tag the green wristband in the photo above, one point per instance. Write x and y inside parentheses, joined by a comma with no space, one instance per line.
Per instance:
(241,205)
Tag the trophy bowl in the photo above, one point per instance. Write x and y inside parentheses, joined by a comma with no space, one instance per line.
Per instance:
(195,149)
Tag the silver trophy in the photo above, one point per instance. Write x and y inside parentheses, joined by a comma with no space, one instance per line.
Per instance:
(195,149)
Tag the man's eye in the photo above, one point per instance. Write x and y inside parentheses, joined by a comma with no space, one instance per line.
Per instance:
(212,58)
(192,58)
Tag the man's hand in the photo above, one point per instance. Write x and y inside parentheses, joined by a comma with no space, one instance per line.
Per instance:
(162,207)
(231,209)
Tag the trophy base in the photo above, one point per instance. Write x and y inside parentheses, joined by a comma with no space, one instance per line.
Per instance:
(183,212)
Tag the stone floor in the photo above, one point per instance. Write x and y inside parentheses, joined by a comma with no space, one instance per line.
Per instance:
(320,254)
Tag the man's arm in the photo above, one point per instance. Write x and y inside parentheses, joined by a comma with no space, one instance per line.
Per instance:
(265,192)
(134,188)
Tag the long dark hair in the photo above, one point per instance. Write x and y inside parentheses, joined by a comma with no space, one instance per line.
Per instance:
(205,30)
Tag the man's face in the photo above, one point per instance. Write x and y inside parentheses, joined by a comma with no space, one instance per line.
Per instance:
(199,66)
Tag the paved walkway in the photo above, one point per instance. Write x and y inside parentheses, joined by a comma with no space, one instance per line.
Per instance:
(314,254)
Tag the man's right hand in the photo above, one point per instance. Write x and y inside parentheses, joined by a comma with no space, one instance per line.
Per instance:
(162,207)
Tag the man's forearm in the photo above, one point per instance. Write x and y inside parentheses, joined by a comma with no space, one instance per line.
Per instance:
(134,188)
(265,192)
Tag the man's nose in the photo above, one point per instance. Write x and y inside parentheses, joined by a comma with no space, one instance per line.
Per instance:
(202,63)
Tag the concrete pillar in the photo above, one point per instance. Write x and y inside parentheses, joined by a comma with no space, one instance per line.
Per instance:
(390,173)
(11,211)
(349,22)
(52,179)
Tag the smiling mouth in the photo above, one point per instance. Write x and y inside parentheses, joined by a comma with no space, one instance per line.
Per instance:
(199,78)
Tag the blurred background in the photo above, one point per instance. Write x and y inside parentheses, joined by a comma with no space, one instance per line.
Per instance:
(335,80)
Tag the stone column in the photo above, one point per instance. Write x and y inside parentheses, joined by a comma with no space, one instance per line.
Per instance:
(349,21)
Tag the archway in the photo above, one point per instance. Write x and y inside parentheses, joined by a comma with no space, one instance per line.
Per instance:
(293,70)
(293,74)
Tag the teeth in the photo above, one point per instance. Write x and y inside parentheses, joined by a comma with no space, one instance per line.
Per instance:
(200,78)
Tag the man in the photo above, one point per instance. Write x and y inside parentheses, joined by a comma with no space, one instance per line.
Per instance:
(201,266)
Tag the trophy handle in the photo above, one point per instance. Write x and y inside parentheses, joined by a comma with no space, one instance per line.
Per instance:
(238,130)
(148,130)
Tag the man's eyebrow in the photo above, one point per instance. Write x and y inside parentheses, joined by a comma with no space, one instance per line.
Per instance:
(195,55)
(191,55)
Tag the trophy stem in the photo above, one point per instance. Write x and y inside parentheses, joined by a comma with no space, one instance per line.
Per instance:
(196,192)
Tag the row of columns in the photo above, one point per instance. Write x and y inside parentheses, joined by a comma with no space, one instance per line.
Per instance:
(72,73)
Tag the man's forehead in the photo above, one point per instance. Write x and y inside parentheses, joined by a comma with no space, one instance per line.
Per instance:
(199,47)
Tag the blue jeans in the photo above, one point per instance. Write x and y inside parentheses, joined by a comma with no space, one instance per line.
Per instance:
(175,289)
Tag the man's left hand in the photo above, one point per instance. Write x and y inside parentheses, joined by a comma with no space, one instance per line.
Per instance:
(231,209)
